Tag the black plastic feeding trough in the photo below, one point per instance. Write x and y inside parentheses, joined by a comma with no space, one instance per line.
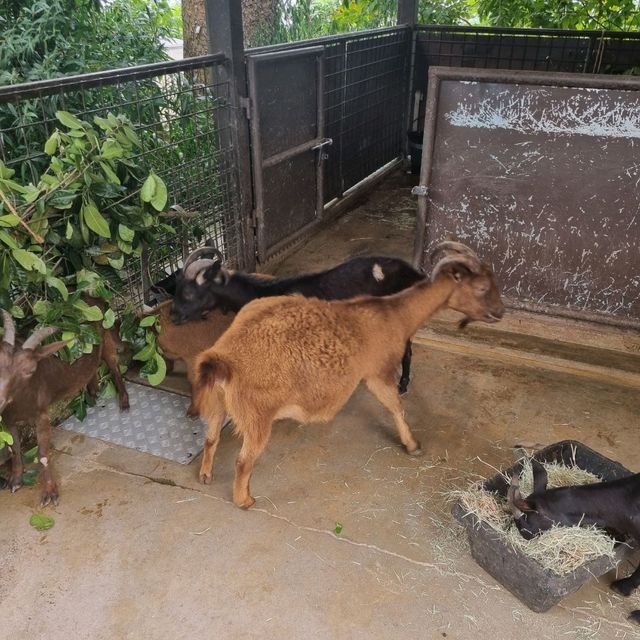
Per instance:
(538,588)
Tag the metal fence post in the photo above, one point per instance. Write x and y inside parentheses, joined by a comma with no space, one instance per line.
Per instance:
(224,26)
(408,15)
(408,12)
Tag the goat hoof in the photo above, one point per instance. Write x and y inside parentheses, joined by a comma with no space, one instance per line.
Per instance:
(416,451)
(206,478)
(192,414)
(634,616)
(624,587)
(124,403)
(14,485)
(247,503)
(403,387)
(3,483)
(49,497)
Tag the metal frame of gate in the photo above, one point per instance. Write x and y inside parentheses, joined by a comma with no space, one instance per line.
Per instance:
(260,163)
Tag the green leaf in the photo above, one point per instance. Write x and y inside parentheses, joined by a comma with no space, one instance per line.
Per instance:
(68,120)
(31,455)
(116,263)
(111,149)
(146,353)
(159,199)
(125,233)
(30,477)
(31,193)
(6,438)
(8,240)
(160,374)
(16,312)
(41,308)
(338,528)
(29,261)
(51,145)
(148,321)
(132,135)
(95,220)
(10,220)
(69,231)
(108,391)
(148,188)
(103,123)
(41,522)
(109,319)
(91,313)
(60,286)
(110,173)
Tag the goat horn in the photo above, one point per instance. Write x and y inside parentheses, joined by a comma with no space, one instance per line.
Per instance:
(37,337)
(196,267)
(455,247)
(9,329)
(472,263)
(194,255)
(513,495)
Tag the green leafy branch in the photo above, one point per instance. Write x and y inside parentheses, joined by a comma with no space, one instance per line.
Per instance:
(70,240)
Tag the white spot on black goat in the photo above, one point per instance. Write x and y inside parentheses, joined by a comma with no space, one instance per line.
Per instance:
(378,274)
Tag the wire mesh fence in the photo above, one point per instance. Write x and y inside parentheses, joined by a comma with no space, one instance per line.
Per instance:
(518,49)
(366,87)
(180,113)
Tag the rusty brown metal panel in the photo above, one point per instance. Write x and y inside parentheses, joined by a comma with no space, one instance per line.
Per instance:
(540,173)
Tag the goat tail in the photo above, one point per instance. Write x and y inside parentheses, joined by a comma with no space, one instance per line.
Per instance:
(212,372)
(211,369)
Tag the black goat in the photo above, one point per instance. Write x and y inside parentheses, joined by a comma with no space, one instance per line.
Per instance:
(163,290)
(613,505)
(206,284)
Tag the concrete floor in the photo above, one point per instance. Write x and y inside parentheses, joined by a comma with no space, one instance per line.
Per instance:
(141,550)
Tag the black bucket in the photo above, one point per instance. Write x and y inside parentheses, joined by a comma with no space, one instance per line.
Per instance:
(415,151)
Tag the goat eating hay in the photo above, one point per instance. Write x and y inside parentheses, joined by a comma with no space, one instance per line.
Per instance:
(560,550)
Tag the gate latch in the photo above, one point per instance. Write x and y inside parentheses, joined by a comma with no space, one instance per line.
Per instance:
(419,190)
(323,143)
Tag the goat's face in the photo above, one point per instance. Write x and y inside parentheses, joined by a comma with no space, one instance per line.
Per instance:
(536,513)
(195,297)
(476,294)
(17,366)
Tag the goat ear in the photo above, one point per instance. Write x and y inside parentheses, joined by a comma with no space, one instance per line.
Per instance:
(540,477)
(222,277)
(49,349)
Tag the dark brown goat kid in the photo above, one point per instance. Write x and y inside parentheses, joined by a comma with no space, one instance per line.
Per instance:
(613,505)
(31,379)
(302,358)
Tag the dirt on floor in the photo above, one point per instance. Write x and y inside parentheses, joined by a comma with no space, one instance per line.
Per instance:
(350,537)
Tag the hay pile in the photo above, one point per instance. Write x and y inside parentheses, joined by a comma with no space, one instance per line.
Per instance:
(561,549)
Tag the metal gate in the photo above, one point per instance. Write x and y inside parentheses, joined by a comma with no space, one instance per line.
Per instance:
(287,136)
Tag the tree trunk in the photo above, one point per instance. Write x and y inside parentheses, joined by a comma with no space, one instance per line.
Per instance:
(255,14)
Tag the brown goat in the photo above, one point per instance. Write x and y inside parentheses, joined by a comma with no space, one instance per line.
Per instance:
(302,358)
(185,341)
(31,380)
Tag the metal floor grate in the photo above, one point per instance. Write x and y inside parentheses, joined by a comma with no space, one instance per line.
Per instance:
(156,423)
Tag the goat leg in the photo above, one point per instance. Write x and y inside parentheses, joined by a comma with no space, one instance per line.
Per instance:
(626,586)
(17,468)
(93,387)
(253,444)
(215,420)
(387,394)
(49,488)
(405,377)
(110,356)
